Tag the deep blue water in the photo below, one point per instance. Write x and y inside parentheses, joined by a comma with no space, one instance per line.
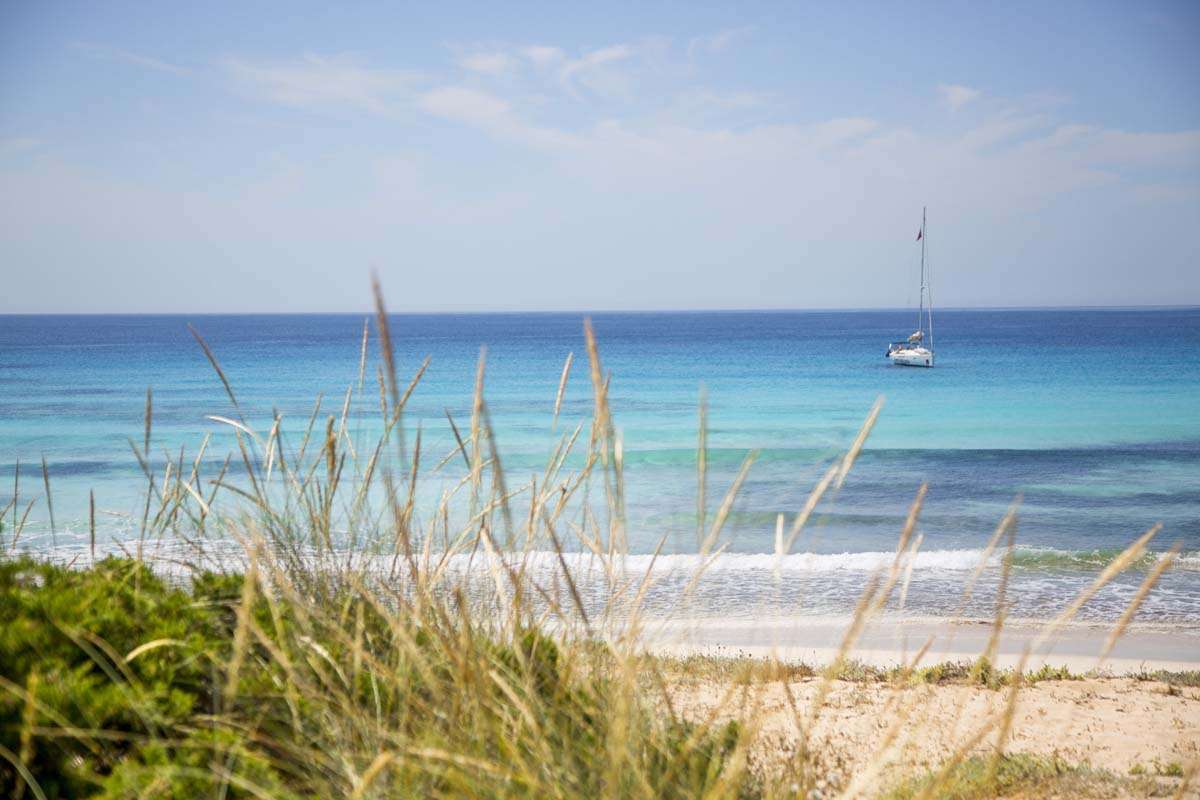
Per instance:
(1093,416)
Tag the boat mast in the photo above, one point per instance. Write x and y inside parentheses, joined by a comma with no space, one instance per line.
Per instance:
(921,302)
(927,289)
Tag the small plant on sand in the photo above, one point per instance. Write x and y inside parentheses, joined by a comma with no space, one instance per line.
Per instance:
(1184,678)
(1022,775)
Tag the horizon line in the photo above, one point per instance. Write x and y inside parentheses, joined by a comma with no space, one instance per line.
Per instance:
(480,312)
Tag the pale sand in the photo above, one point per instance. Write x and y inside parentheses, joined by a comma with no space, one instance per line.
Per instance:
(1112,722)
(889,642)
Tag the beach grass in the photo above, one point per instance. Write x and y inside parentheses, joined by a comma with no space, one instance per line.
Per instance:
(1023,775)
(312,635)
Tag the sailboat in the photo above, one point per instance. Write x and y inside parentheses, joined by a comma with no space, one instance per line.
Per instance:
(917,349)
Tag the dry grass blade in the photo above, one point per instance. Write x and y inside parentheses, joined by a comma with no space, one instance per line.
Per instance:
(727,503)
(149,415)
(810,505)
(1006,720)
(477,430)
(362,356)
(3,514)
(233,423)
(989,652)
(894,572)
(1186,783)
(859,441)
(29,717)
(49,499)
(576,598)
(16,490)
(383,329)
(1007,522)
(149,646)
(462,448)
(1164,563)
(562,389)
(242,630)
(702,467)
(205,509)
(92,523)
(26,776)
(412,384)
(1115,567)
(21,523)
(376,768)
(908,568)
(212,359)
(601,421)
(501,490)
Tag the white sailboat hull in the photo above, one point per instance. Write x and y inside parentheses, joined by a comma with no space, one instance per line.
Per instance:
(912,357)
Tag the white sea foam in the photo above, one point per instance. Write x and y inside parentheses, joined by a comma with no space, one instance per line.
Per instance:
(962,560)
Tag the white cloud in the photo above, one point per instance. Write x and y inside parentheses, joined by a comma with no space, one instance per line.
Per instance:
(464,105)
(584,69)
(543,55)
(317,82)
(956,96)
(490,114)
(495,63)
(697,106)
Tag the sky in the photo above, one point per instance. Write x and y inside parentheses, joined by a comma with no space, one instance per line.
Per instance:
(267,157)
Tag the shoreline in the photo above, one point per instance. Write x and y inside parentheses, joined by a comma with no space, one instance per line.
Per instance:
(889,643)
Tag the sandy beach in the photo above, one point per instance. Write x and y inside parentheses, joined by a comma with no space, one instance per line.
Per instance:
(1128,726)
(870,735)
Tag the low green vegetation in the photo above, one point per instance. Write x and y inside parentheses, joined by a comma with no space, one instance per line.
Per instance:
(1022,775)
(1168,769)
(118,684)
(1184,678)
(696,668)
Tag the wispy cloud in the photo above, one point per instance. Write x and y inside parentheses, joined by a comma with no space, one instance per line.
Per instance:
(318,82)
(718,42)
(585,69)
(956,96)
(543,55)
(464,105)
(490,114)
(109,53)
(494,63)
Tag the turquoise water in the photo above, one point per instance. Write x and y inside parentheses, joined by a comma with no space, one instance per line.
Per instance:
(1093,416)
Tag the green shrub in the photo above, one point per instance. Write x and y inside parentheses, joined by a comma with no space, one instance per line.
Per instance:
(118,684)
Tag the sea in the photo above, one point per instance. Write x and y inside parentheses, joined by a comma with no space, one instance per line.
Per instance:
(1088,420)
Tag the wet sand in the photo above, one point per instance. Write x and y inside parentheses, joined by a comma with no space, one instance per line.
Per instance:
(891,642)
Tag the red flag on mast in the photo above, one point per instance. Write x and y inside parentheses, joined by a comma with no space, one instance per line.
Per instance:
(919,234)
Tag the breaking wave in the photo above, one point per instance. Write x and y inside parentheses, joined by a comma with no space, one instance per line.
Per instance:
(931,560)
